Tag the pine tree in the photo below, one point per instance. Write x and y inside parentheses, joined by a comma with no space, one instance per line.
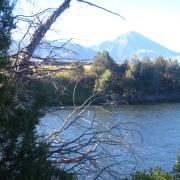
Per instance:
(102,62)
(23,155)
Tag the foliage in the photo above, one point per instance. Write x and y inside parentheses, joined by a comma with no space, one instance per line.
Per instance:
(152,77)
(135,81)
(155,174)
(23,155)
(59,91)
(102,62)
(177,168)
(159,174)
(103,82)
(6,24)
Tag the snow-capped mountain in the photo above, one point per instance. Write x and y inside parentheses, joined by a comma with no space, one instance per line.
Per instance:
(133,43)
(123,47)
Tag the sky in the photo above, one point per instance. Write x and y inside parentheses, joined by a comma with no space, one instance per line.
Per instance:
(156,19)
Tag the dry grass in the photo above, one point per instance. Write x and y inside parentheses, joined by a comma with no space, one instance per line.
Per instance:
(66,71)
(88,70)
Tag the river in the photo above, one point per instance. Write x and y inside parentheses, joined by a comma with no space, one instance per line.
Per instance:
(159,125)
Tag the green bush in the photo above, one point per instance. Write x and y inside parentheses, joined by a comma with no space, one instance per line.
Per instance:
(155,174)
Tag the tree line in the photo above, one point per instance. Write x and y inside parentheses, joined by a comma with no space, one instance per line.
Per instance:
(132,81)
(136,78)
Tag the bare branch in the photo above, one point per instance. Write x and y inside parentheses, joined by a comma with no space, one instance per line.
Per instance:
(19,17)
(99,7)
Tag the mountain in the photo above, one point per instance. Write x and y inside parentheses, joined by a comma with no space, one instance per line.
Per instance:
(67,51)
(59,50)
(133,43)
(123,47)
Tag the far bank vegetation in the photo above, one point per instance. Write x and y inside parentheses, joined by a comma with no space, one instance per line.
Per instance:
(133,81)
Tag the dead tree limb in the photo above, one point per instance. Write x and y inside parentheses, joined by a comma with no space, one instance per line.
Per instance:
(100,7)
(39,34)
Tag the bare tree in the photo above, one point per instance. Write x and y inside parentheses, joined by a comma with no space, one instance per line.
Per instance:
(88,152)
(90,149)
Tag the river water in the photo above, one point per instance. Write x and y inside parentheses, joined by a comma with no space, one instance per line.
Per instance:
(158,124)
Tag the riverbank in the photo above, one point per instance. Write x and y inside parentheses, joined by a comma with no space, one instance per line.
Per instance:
(101,100)
(146,99)
(166,98)
(65,92)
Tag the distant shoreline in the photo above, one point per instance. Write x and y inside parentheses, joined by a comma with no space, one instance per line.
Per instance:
(125,101)
(149,99)
(155,99)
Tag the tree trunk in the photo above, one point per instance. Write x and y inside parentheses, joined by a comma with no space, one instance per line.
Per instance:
(26,54)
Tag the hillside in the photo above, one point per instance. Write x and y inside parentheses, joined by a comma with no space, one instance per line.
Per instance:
(132,43)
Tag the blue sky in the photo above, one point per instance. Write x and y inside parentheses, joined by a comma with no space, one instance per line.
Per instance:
(156,19)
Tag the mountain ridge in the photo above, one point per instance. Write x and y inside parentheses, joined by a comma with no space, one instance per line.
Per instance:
(133,43)
(121,48)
